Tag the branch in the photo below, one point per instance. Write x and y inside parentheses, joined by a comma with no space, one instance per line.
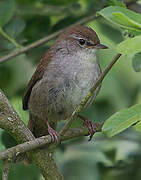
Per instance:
(10,121)
(38,142)
(43,40)
(45,140)
(90,93)
(5,169)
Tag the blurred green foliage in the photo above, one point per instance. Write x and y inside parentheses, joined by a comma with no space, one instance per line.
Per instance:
(102,159)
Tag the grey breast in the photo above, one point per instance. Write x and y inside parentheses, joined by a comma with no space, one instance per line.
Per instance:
(64,85)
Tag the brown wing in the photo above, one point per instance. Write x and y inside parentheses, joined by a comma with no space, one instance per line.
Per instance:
(36,77)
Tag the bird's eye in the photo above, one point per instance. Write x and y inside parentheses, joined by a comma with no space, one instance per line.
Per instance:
(82,42)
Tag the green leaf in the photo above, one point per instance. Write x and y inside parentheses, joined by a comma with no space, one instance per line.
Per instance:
(6,36)
(138,127)
(7,10)
(136,62)
(130,46)
(15,27)
(123,20)
(123,17)
(122,120)
(116,3)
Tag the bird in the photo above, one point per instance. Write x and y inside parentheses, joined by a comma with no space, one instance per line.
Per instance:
(64,76)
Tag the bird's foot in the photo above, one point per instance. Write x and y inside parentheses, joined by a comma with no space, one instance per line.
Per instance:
(53,134)
(91,126)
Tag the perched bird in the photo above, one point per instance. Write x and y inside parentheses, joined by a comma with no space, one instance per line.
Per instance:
(62,79)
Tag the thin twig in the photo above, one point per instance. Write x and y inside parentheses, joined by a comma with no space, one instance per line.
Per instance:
(105,72)
(43,40)
(83,103)
(45,140)
(5,170)
(39,142)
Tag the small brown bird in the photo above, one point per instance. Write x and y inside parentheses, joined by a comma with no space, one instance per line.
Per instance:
(62,79)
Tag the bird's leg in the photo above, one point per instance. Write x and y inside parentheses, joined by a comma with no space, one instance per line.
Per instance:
(53,134)
(91,126)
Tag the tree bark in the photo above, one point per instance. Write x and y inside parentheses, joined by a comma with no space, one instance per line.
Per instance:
(11,122)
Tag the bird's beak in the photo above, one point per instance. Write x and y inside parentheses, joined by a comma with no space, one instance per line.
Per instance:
(101,46)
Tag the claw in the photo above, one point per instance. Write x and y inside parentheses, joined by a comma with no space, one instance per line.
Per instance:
(90,125)
(53,134)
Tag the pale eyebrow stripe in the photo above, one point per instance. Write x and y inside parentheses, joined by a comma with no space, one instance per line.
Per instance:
(76,37)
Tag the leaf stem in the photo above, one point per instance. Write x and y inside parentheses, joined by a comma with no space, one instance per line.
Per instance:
(5,35)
